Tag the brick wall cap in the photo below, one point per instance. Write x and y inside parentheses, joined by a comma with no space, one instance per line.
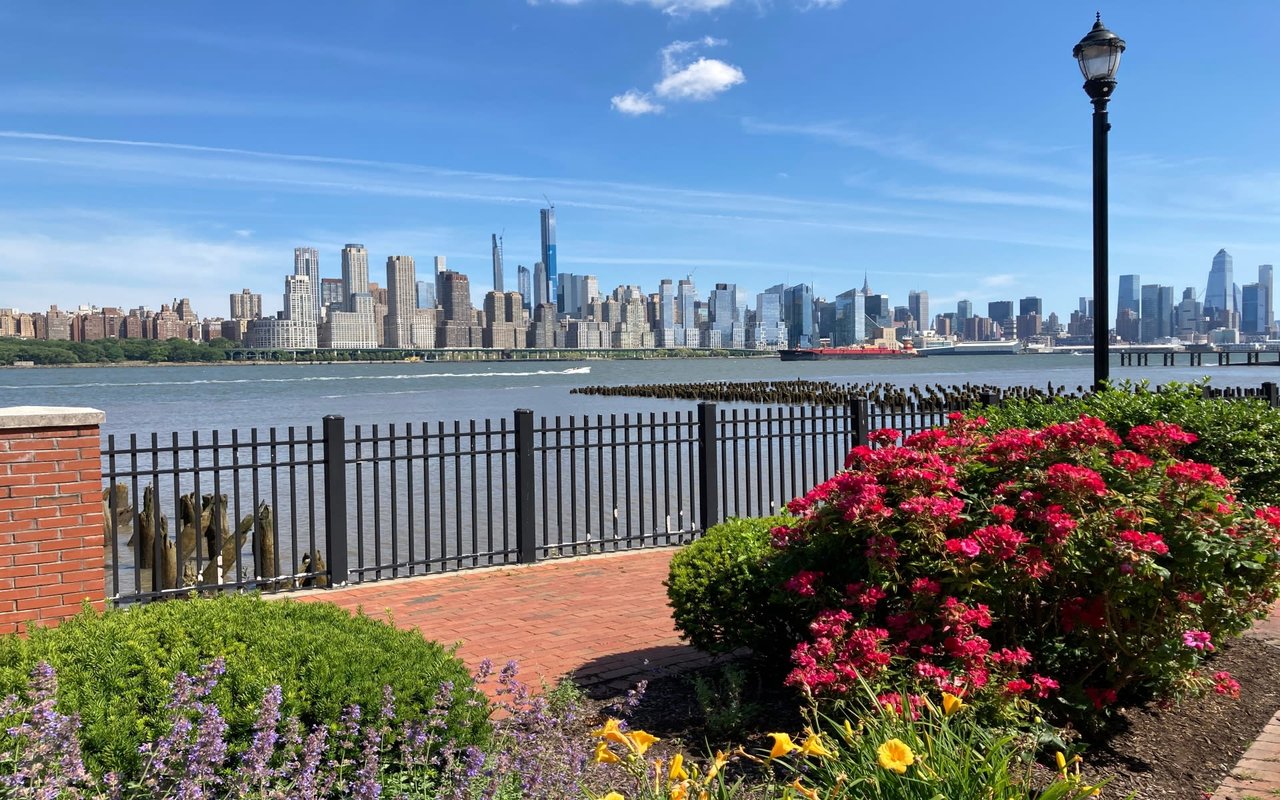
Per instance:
(49,417)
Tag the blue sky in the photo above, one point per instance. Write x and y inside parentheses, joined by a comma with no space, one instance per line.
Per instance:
(158,150)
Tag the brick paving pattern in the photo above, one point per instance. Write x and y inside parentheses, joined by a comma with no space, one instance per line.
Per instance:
(1257,775)
(603,619)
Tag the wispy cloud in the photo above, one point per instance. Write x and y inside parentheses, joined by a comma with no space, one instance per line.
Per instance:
(915,150)
(634,103)
(682,8)
(107,101)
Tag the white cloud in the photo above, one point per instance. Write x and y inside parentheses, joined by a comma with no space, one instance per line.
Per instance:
(684,80)
(679,8)
(634,103)
(810,5)
(701,80)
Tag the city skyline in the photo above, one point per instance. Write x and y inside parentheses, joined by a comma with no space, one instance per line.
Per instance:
(166,153)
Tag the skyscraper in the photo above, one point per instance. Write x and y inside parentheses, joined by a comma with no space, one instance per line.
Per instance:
(1265,280)
(540,296)
(355,271)
(548,217)
(1157,312)
(497,263)
(524,283)
(1130,293)
(797,306)
(1031,305)
(402,301)
(426,294)
(246,305)
(306,261)
(1253,309)
(918,305)
(1219,296)
(964,310)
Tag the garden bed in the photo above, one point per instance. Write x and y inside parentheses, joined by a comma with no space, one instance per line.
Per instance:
(1179,753)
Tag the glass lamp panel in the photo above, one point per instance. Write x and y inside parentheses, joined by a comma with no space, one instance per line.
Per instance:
(1097,61)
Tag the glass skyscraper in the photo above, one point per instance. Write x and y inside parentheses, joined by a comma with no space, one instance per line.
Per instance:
(1220,294)
(548,216)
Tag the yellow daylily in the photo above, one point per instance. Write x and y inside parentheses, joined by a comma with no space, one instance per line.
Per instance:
(612,732)
(813,747)
(1061,761)
(895,756)
(604,755)
(848,732)
(612,796)
(951,704)
(677,771)
(717,764)
(782,745)
(811,794)
(640,741)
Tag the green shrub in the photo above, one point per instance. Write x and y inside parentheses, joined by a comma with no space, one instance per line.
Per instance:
(115,669)
(721,588)
(1237,436)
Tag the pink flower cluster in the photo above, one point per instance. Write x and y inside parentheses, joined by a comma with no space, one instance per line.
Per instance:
(969,552)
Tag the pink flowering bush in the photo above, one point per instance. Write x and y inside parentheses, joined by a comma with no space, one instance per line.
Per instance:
(1057,566)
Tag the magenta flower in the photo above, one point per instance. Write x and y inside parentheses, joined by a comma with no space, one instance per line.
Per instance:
(1198,640)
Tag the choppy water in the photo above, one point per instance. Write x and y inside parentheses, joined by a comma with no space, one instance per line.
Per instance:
(222,397)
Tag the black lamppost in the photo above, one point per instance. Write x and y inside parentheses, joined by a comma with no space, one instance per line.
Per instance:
(1099,56)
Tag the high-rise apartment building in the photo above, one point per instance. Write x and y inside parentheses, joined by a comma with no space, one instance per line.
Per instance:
(497,263)
(850,319)
(1219,295)
(797,307)
(355,271)
(246,305)
(1001,313)
(306,261)
(964,310)
(426,291)
(332,295)
(548,220)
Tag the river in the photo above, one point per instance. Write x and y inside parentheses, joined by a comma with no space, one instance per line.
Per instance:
(145,399)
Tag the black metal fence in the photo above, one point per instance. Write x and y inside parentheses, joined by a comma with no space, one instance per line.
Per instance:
(277,509)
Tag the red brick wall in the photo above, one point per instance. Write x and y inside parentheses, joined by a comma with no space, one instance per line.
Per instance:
(51,557)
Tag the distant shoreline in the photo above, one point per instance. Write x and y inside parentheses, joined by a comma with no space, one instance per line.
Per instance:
(594,356)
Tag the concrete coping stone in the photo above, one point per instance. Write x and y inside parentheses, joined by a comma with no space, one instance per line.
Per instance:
(49,417)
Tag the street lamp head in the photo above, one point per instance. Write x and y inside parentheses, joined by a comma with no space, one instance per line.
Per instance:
(1099,56)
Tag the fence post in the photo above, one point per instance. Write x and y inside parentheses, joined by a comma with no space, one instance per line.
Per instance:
(861,410)
(1272,393)
(708,466)
(987,398)
(335,499)
(526,522)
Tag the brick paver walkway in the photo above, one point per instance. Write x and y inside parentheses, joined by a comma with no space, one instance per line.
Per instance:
(603,619)
(1257,775)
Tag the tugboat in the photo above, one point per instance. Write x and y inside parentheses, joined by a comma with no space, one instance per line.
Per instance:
(842,353)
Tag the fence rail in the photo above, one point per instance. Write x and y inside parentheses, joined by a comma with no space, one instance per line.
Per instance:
(277,509)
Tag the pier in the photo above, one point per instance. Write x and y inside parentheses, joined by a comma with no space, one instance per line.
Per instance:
(1171,357)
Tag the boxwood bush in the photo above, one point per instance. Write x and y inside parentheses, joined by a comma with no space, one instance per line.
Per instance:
(1239,437)
(115,669)
(721,589)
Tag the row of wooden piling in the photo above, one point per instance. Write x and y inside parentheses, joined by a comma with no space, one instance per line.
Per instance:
(200,520)
(825,393)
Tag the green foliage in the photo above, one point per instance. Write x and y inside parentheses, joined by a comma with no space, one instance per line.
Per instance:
(116,668)
(106,351)
(1237,436)
(721,588)
(720,698)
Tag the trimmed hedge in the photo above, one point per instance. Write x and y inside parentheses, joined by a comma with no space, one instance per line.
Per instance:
(720,588)
(115,669)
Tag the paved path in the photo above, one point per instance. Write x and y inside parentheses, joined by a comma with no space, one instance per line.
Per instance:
(603,619)
(1257,775)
